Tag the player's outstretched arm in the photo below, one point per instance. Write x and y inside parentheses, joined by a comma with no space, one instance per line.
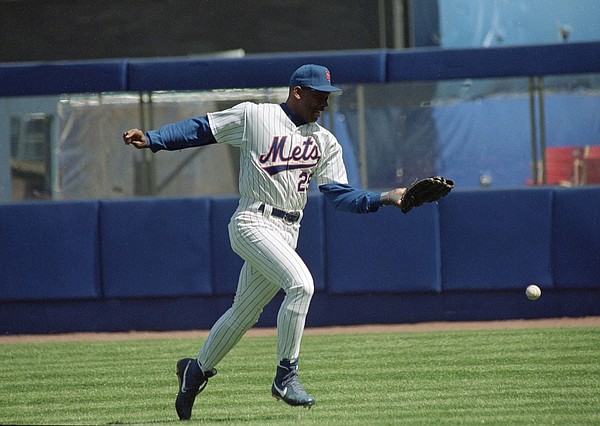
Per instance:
(135,137)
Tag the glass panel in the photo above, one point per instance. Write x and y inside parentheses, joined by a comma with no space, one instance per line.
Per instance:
(510,132)
(28,128)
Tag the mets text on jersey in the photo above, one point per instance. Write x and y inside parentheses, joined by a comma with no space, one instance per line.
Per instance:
(304,156)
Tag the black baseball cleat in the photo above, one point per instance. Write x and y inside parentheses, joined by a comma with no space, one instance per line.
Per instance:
(287,388)
(192,381)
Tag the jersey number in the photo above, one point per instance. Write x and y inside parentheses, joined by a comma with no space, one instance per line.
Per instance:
(304,181)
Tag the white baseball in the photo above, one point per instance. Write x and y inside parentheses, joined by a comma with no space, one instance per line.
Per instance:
(533,292)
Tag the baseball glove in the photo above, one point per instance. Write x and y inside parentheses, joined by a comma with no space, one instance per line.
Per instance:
(422,191)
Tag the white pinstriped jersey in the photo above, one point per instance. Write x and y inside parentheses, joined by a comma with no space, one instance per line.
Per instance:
(277,158)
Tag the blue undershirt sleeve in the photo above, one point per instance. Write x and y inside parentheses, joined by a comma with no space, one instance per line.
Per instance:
(349,199)
(183,134)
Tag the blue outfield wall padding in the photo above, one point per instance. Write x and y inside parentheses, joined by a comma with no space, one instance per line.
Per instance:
(55,78)
(49,251)
(373,308)
(486,305)
(496,239)
(200,313)
(253,71)
(226,264)
(576,243)
(112,315)
(493,62)
(387,251)
(156,247)
(157,264)
(311,243)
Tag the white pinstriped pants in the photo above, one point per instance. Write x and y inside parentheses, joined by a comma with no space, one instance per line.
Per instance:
(268,247)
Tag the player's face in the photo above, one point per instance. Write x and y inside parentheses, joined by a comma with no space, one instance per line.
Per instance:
(312,104)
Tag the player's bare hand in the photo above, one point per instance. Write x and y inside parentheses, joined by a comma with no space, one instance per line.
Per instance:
(393,197)
(135,137)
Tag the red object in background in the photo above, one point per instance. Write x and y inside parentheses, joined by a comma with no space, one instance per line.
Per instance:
(591,165)
(562,165)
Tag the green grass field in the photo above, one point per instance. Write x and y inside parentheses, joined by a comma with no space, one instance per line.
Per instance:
(520,376)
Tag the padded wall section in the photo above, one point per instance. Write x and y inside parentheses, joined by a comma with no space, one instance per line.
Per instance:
(226,264)
(110,315)
(576,244)
(156,247)
(493,62)
(252,71)
(348,67)
(49,251)
(311,243)
(385,251)
(497,239)
(63,77)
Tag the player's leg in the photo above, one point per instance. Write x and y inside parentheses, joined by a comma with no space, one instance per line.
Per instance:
(291,317)
(253,293)
(271,263)
(269,245)
(272,251)
(290,328)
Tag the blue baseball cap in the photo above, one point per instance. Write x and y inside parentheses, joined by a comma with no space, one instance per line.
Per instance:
(316,77)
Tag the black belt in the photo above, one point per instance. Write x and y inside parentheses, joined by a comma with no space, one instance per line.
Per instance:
(288,217)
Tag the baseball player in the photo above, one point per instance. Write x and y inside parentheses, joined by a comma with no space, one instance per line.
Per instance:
(282,149)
